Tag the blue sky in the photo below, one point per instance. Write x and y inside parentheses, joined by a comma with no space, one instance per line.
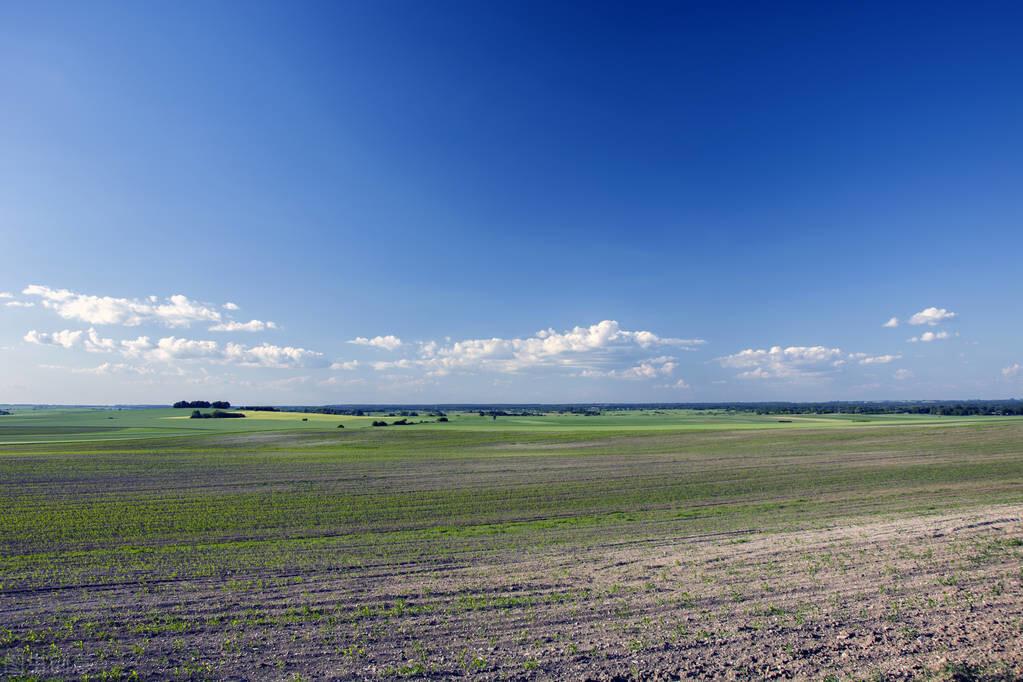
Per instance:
(541,202)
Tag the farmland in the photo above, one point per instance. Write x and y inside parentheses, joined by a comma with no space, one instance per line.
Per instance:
(140,543)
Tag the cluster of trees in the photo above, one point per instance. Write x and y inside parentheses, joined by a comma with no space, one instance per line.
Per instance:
(216,414)
(403,422)
(5,412)
(259,408)
(352,412)
(956,408)
(216,404)
(504,413)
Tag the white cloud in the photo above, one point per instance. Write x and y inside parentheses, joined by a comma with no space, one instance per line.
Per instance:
(389,342)
(931,316)
(135,347)
(172,348)
(876,359)
(20,304)
(782,363)
(175,311)
(573,348)
(393,364)
(651,368)
(903,375)
(179,311)
(113,368)
(348,365)
(269,355)
(680,384)
(6,294)
(927,337)
(65,338)
(230,306)
(96,344)
(337,381)
(1013,370)
(891,323)
(250,326)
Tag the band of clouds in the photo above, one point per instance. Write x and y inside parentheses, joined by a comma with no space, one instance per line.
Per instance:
(176,310)
(250,326)
(171,349)
(796,362)
(574,349)
(601,350)
(651,368)
(587,348)
(389,342)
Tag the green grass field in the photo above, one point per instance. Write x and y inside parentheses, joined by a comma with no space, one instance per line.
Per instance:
(127,500)
(72,425)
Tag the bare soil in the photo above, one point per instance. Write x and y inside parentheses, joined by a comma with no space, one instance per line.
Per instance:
(896,599)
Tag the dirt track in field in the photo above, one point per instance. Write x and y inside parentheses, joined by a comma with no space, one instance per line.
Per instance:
(898,599)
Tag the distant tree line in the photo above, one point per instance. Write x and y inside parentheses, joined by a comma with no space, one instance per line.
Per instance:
(504,413)
(216,414)
(216,404)
(403,422)
(334,411)
(5,412)
(958,408)
(952,408)
(934,407)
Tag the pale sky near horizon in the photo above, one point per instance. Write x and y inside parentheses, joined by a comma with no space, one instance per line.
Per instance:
(401,202)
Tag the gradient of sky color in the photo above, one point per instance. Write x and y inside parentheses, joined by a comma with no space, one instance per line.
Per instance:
(671,190)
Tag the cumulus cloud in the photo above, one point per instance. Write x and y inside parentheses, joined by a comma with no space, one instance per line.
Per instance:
(1012,371)
(172,349)
(113,368)
(175,311)
(230,306)
(865,359)
(383,365)
(650,368)
(20,304)
(65,339)
(6,294)
(891,323)
(347,365)
(931,316)
(135,347)
(927,337)
(903,375)
(94,343)
(336,381)
(679,384)
(782,363)
(269,355)
(389,342)
(572,348)
(250,326)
